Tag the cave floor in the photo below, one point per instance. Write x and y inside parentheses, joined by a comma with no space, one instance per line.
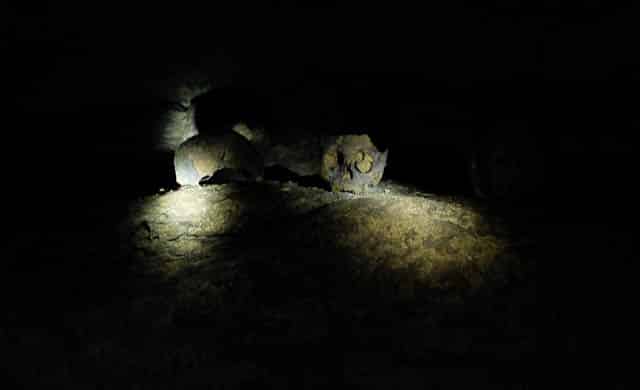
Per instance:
(275,285)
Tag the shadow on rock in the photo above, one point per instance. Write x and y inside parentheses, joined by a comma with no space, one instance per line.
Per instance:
(225,275)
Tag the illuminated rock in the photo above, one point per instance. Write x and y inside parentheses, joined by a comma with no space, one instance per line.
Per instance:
(387,245)
(176,123)
(187,86)
(403,243)
(200,157)
(352,163)
(256,135)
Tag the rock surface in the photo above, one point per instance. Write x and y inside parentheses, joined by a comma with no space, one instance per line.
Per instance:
(177,122)
(202,156)
(202,284)
(418,242)
(300,153)
(174,126)
(258,137)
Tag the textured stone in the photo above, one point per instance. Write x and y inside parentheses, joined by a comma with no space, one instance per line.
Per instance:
(194,273)
(202,156)
(256,135)
(352,163)
(300,154)
(177,122)
(382,238)
(175,125)
(188,86)
(182,84)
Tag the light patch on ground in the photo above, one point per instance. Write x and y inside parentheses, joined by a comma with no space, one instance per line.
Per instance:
(392,238)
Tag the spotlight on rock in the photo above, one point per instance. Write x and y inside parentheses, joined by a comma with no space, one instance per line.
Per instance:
(203,156)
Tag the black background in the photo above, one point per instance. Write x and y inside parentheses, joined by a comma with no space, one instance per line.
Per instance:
(420,80)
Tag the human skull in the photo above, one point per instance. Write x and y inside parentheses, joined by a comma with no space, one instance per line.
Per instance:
(352,163)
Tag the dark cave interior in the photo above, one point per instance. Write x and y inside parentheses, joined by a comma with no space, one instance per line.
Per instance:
(431,86)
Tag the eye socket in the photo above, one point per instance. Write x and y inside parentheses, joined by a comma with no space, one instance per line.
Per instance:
(365,163)
(340,158)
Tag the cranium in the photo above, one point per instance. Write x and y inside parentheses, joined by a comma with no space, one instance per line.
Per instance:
(352,163)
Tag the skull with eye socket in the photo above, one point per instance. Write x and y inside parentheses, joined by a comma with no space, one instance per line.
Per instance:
(352,163)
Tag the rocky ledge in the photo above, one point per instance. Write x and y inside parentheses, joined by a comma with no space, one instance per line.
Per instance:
(415,241)
(270,284)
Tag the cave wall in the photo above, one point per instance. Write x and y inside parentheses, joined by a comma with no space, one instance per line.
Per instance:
(92,94)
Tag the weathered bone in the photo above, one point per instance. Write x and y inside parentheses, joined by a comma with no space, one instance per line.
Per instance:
(352,163)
